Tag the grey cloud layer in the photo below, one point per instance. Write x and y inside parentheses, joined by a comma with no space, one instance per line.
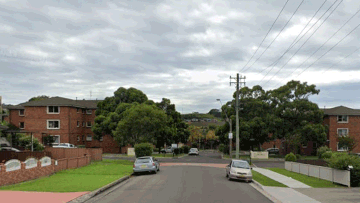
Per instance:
(70,48)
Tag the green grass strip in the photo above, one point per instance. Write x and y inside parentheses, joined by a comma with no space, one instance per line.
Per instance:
(310,181)
(87,178)
(265,181)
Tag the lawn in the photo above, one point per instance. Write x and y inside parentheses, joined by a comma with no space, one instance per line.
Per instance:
(311,181)
(265,181)
(87,178)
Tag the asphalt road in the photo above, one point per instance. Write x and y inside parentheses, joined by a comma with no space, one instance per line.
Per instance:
(182,184)
(211,157)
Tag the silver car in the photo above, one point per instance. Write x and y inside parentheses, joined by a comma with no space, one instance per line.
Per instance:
(146,164)
(194,151)
(239,169)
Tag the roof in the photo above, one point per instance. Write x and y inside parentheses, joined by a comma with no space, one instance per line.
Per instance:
(341,110)
(59,101)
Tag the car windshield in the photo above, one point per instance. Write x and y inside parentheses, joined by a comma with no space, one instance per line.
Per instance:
(192,149)
(141,161)
(240,164)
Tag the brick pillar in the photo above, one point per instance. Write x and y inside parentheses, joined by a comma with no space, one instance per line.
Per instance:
(2,169)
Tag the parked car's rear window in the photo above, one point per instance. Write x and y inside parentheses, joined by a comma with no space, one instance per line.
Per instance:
(142,161)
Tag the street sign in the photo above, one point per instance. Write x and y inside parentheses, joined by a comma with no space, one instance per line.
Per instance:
(230,136)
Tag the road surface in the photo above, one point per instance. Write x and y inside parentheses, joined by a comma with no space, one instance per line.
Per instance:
(183,184)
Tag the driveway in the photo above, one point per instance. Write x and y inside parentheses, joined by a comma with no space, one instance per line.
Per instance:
(182,184)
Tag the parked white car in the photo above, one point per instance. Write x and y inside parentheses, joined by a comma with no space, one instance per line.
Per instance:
(239,169)
(194,151)
(64,145)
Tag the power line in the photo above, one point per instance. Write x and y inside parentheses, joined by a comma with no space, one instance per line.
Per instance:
(308,38)
(295,40)
(276,36)
(329,50)
(265,35)
(340,60)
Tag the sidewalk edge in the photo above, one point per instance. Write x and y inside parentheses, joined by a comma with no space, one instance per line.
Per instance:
(94,193)
(260,189)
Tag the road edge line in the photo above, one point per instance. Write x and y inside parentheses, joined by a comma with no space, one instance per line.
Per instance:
(260,188)
(86,197)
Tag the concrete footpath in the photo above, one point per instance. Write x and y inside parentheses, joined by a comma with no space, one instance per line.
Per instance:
(300,192)
(285,195)
(38,197)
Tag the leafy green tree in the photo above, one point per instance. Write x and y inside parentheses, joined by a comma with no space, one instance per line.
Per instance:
(140,123)
(347,142)
(25,141)
(38,98)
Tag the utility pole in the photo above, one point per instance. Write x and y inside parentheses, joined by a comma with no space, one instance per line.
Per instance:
(238,83)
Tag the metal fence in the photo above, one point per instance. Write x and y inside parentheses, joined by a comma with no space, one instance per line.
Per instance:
(325,173)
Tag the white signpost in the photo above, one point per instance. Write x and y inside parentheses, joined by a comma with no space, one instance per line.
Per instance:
(131,152)
(230,136)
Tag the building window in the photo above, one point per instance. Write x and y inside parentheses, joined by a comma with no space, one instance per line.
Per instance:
(21,112)
(53,124)
(83,125)
(101,138)
(89,138)
(342,148)
(78,138)
(78,124)
(88,111)
(77,110)
(304,145)
(83,111)
(88,124)
(53,109)
(56,139)
(342,131)
(342,119)
(22,125)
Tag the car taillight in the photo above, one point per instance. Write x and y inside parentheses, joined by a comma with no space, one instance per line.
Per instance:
(153,164)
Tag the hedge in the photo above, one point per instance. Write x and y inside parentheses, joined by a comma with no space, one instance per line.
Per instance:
(143,149)
(290,157)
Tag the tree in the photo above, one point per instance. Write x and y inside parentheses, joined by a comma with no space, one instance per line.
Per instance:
(298,119)
(140,123)
(38,98)
(195,133)
(215,112)
(347,142)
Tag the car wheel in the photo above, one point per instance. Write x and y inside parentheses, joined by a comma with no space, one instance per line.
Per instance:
(155,172)
(228,177)
(158,168)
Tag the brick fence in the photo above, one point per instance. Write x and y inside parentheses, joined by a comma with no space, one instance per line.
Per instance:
(61,153)
(22,156)
(23,174)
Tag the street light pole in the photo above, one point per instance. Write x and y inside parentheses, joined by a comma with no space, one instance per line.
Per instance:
(230,123)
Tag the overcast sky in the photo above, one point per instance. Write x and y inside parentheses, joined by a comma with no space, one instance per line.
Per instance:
(181,50)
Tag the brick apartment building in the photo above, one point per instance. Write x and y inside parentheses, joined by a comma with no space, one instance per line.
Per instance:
(340,120)
(69,121)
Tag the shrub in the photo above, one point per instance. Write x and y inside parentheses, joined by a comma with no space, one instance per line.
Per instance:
(341,161)
(185,149)
(298,156)
(322,150)
(25,141)
(221,147)
(176,151)
(143,149)
(181,150)
(290,157)
(327,155)
(80,146)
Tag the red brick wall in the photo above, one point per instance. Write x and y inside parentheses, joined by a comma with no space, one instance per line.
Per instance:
(21,175)
(109,145)
(12,177)
(353,126)
(61,153)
